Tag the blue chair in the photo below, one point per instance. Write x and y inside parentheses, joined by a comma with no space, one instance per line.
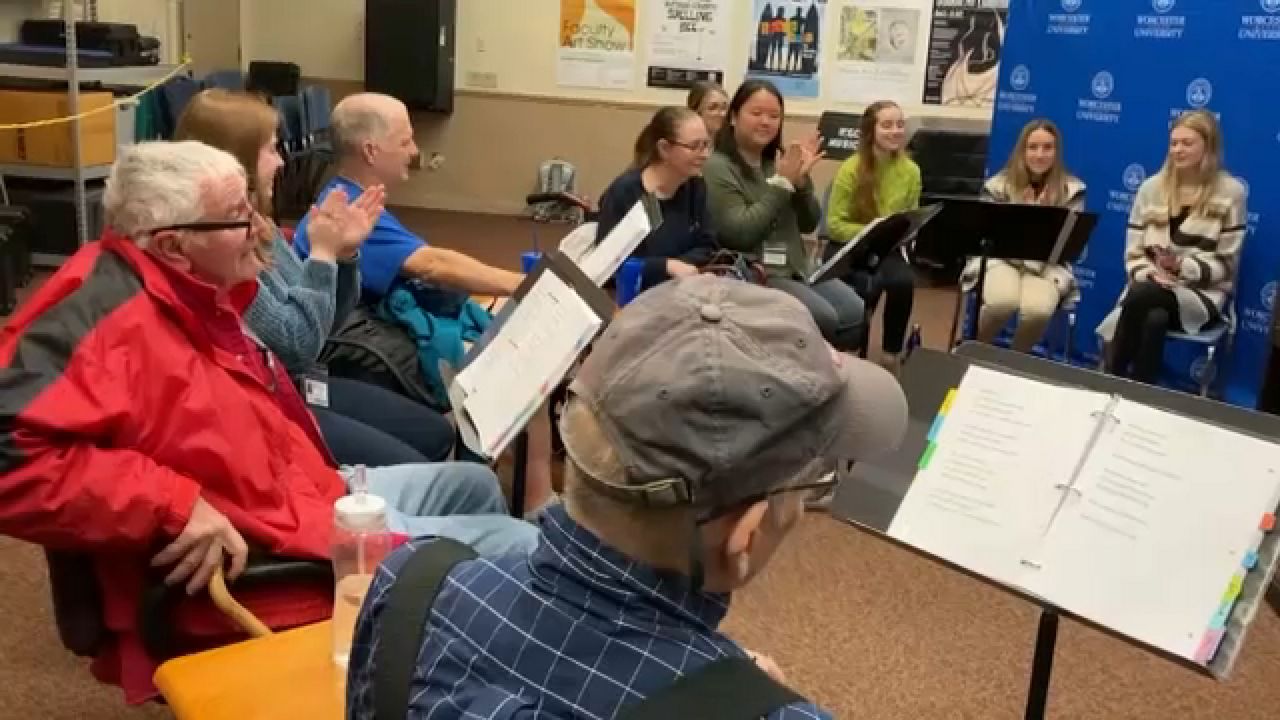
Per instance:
(317,103)
(291,132)
(225,79)
(1062,324)
(1215,342)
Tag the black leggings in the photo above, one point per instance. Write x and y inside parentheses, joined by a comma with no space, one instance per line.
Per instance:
(895,280)
(1149,313)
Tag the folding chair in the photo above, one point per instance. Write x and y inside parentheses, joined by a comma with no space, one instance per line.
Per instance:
(1064,317)
(317,103)
(1216,341)
(291,129)
(225,79)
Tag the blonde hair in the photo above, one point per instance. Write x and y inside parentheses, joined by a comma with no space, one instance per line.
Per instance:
(1018,176)
(238,123)
(1204,124)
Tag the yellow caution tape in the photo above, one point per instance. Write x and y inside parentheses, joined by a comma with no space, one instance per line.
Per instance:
(186,62)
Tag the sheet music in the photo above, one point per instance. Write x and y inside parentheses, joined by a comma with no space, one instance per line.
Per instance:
(984,494)
(1166,511)
(507,382)
(608,255)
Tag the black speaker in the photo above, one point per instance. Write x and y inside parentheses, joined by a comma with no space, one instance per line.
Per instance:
(409,49)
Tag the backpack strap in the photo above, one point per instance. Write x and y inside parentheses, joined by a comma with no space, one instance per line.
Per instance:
(731,688)
(404,622)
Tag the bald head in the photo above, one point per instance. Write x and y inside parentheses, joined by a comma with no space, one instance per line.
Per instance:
(363,118)
(373,137)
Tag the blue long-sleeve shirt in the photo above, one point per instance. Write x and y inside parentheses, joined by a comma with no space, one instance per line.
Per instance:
(299,302)
(685,233)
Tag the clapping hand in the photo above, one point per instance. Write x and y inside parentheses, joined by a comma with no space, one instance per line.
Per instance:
(337,228)
(799,159)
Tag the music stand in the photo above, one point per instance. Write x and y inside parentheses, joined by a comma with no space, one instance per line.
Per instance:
(599,304)
(969,227)
(870,493)
(879,238)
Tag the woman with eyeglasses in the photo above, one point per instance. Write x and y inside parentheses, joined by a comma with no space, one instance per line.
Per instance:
(669,156)
(299,302)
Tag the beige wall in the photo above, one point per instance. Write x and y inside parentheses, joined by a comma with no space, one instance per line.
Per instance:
(497,136)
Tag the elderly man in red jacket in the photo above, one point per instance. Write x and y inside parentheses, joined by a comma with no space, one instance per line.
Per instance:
(141,423)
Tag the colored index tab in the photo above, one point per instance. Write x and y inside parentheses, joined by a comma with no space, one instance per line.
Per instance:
(1233,588)
(932,437)
(1250,559)
(927,456)
(946,404)
(1268,522)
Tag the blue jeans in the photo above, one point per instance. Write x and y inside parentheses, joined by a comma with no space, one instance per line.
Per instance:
(369,424)
(461,501)
(836,309)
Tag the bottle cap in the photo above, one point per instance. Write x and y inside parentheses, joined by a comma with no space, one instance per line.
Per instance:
(361,511)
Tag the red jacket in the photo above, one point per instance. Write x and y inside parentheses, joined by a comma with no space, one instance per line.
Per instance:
(128,390)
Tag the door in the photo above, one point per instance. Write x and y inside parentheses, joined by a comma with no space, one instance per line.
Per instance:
(211,29)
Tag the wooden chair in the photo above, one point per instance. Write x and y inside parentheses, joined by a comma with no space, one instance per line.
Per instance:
(272,675)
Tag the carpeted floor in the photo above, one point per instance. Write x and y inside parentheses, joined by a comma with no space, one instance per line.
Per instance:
(865,628)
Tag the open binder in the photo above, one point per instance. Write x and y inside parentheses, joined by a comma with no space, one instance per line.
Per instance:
(877,239)
(1137,519)
(530,347)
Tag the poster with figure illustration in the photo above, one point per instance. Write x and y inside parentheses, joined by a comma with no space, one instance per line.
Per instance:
(878,48)
(597,44)
(965,45)
(688,41)
(786,44)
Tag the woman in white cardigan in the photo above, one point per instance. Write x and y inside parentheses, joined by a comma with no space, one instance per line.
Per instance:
(1182,250)
(1034,175)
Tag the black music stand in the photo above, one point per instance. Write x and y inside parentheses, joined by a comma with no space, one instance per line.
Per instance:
(879,238)
(870,493)
(968,227)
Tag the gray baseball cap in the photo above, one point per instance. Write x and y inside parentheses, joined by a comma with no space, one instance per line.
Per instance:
(714,391)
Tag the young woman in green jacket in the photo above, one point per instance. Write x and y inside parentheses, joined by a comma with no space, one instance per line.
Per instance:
(878,180)
(762,201)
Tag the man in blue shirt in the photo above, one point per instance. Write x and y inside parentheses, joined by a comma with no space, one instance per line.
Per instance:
(694,431)
(373,140)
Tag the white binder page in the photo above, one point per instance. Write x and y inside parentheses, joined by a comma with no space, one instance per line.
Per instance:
(607,256)
(985,491)
(1167,510)
(511,377)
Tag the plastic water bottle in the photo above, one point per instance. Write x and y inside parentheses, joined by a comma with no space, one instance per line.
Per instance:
(360,542)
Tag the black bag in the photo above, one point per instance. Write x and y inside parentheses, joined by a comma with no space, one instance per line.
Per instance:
(372,350)
(731,688)
(273,79)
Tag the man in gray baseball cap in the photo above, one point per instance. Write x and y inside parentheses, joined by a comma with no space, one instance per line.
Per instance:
(694,430)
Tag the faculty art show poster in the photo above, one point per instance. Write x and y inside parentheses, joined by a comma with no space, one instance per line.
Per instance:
(964,52)
(786,44)
(597,44)
(878,50)
(688,41)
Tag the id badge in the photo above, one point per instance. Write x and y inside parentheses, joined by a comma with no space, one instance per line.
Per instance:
(315,389)
(775,255)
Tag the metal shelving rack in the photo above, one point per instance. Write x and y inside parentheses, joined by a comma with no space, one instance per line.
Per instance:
(73,75)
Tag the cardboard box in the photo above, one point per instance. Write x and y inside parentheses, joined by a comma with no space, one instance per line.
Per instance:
(51,145)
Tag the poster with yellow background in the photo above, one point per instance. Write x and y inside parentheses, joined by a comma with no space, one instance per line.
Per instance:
(597,44)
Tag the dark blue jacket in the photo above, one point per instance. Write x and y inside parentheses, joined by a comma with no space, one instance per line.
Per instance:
(685,233)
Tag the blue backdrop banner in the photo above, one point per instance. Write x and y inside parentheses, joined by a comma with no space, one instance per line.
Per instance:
(1113,74)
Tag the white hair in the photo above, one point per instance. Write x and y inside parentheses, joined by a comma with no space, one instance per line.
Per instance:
(154,184)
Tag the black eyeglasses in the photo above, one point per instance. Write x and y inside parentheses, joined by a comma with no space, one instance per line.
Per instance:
(207,226)
(700,146)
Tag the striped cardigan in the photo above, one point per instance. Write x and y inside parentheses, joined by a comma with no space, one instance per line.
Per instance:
(1207,245)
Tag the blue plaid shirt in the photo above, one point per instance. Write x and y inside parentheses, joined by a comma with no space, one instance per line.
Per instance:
(574,630)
